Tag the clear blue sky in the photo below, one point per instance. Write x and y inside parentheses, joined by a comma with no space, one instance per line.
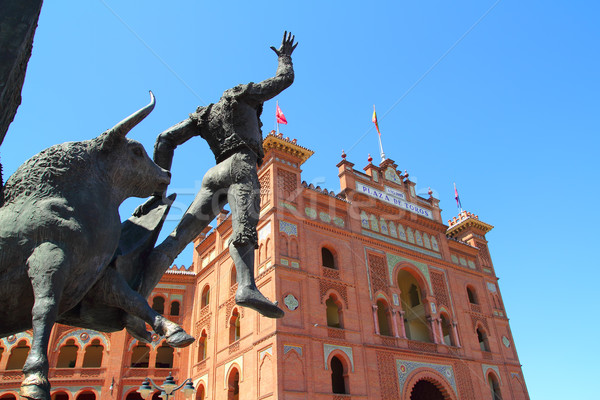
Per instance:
(504,102)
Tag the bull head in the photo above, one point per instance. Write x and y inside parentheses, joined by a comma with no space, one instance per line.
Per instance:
(120,130)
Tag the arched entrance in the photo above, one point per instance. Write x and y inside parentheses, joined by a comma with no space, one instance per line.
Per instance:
(425,390)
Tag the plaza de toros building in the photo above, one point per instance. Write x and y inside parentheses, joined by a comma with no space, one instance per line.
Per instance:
(383,301)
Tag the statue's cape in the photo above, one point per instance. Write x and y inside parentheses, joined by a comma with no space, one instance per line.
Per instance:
(138,238)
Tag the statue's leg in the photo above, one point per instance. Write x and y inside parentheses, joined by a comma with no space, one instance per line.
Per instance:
(209,201)
(46,269)
(244,201)
(113,290)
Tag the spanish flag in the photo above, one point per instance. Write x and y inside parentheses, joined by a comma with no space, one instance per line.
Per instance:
(375,120)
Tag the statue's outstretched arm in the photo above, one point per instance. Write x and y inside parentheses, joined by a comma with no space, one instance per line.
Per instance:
(284,76)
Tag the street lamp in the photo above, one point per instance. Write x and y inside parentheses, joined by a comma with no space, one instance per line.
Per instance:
(168,388)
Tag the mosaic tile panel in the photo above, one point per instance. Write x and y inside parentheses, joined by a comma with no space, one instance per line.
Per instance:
(393,259)
(288,228)
(399,243)
(310,212)
(289,347)
(328,348)
(405,368)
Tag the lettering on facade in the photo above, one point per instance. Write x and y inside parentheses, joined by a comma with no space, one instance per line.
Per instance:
(393,200)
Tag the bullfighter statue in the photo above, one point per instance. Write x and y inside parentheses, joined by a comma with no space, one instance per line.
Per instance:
(232,128)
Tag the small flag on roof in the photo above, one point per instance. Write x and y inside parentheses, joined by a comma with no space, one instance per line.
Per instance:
(279,115)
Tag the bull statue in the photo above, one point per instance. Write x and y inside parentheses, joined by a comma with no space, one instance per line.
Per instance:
(59,233)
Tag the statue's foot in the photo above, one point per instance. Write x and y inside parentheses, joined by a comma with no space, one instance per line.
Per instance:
(254,299)
(35,387)
(136,327)
(175,335)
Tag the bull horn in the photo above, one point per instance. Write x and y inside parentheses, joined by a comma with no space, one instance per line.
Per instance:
(123,127)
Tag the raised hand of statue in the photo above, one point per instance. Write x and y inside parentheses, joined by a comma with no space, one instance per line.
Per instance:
(287,45)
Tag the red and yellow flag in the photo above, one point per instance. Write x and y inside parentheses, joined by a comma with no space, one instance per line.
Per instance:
(375,120)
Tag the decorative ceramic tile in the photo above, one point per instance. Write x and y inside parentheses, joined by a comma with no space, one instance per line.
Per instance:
(289,347)
(419,238)
(405,368)
(268,350)
(310,212)
(391,175)
(375,175)
(471,264)
(505,341)
(324,217)
(491,287)
(374,224)
(384,227)
(395,299)
(433,309)
(410,235)
(393,232)
(454,259)
(288,206)
(328,348)
(434,244)
(426,241)
(284,262)
(295,264)
(463,261)
(82,337)
(338,221)
(487,270)
(288,228)
(364,220)
(401,244)
(393,259)
(291,302)
(494,368)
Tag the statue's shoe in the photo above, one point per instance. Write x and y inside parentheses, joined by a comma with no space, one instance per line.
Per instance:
(254,299)
(179,338)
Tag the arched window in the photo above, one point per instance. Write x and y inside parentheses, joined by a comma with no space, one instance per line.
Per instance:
(233,385)
(1,352)
(7,397)
(60,396)
(494,387)
(414,295)
(87,395)
(283,245)
(426,390)
(140,357)
(482,338)
(158,304)
(67,357)
(383,318)
(447,331)
(334,312)
(415,313)
(338,376)
(164,356)
(327,258)
(18,355)
(134,396)
(233,276)
(261,253)
(293,248)
(234,327)
(200,393)
(205,299)
(92,357)
(175,308)
(472,295)
(202,346)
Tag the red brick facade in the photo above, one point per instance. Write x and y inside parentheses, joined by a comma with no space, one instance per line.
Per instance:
(382,300)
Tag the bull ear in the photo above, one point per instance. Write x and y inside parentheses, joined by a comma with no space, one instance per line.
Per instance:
(120,130)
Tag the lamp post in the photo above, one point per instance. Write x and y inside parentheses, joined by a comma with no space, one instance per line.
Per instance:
(168,388)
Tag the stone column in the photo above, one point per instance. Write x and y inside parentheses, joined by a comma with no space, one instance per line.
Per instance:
(402,327)
(375,321)
(79,360)
(394,323)
(440,330)
(433,328)
(455,331)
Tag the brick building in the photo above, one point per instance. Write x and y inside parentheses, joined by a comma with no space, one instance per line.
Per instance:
(382,300)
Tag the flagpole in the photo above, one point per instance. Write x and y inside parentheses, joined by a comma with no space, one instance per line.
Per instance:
(381,150)
(381,153)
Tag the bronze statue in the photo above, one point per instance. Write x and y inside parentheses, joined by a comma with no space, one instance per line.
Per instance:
(232,128)
(59,230)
